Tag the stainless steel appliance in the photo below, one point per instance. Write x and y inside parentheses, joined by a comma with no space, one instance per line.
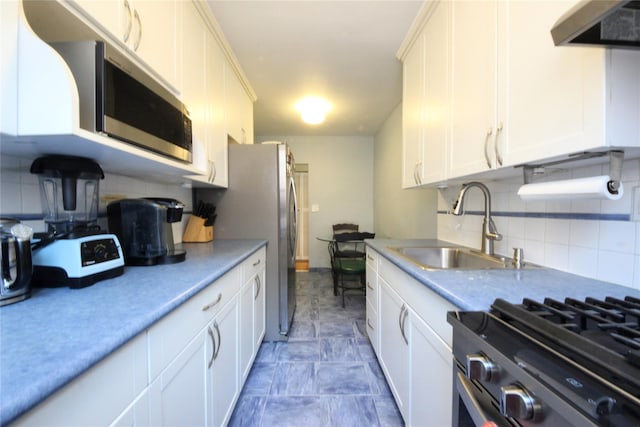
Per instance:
(15,261)
(119,99)
(260,203)
(144,229)
(74,251)
(610,23)
(555,363)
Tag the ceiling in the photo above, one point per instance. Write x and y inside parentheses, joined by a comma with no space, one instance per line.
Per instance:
(341,50)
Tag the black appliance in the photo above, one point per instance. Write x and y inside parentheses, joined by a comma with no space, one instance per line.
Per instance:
(550,363)
(119,99)
(144,229)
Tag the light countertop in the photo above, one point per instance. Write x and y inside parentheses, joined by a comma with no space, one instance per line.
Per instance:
(51,338)
(474,290)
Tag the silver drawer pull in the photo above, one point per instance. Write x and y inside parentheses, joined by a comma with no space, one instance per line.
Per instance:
(256,263)
(369,286)
(369,324)
(208,306)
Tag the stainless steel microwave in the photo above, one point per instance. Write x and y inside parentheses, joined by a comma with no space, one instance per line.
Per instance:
(120,100)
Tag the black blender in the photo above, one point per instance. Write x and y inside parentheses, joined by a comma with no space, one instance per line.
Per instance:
(74,251)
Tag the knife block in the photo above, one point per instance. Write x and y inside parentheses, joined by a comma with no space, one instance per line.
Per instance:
(196,231)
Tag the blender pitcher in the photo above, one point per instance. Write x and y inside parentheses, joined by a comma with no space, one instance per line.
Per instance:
(69,188)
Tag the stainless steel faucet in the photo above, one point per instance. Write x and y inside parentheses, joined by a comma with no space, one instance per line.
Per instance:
(489,231)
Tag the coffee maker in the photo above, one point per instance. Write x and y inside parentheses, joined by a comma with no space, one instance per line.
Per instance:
(74,251)
(144,229)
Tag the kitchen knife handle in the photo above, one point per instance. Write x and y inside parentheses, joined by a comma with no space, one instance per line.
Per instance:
(208,306)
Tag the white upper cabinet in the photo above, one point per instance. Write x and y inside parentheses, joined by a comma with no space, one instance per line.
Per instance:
(474,55)
(560,100)
(514,97)
(151,29)
(239,107)
(412,121)
(426,100)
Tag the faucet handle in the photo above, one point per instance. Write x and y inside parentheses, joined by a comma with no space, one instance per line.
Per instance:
(493,231)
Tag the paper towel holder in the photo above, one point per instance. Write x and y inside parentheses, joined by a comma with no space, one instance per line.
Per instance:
(616,158)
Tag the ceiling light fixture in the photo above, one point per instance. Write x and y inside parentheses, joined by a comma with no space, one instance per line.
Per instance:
(313,109)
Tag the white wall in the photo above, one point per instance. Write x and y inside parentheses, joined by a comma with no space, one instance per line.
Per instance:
(20,193)
(593,238)
(399,213)
(340,184)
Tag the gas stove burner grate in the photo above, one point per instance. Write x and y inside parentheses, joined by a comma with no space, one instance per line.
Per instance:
(601,335)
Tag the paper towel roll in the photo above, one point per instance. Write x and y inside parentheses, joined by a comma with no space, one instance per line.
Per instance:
(581,188)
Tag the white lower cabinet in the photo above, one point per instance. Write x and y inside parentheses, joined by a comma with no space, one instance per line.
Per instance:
(178,396)
(414,350)
(431,364)
(252,318)
(184,371)
(224,386)
(394,345)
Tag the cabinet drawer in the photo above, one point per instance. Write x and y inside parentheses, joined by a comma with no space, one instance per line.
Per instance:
(372,326)
(253,264)
(171,334)
(372,286)
(431,307)
(372,259)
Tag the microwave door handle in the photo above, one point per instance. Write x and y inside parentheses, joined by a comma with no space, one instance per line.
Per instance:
(475,409)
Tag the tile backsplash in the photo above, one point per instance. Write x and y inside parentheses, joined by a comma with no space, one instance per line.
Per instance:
(20,194)
(599,239)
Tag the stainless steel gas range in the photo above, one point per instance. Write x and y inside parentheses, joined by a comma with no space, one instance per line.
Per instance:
(550,363)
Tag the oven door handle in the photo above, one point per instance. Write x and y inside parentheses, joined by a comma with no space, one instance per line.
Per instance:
(478,413)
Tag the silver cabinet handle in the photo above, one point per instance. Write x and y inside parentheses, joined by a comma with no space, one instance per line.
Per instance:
(369,323)
(217,350)
(213,346)
(127,32)
(257,263)
(496,148)
(369,285)
(401,321)
(136,45)
(214,171)
(369,257)
(486,146)
(208,306)
(257,282)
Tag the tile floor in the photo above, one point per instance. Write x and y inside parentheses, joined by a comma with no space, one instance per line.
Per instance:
(325,375)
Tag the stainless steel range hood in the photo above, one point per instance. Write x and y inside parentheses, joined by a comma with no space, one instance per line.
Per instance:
(600,23)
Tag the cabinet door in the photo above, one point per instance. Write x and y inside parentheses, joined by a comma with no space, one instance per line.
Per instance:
(431,367)
(239,108)
(155,37)
(551,97)
(106,13)
(216,120)
(246,327)
(178,396)
(436,123)
(259,304)
(474,62)
(412,115)
(224,385)
(394,345)
(194,82)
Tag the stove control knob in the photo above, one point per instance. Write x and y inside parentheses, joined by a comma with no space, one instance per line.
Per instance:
(516,402)
(481,368)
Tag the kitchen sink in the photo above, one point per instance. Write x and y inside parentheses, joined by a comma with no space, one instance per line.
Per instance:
(452,258)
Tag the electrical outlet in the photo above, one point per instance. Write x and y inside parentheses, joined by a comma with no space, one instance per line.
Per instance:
(635,214)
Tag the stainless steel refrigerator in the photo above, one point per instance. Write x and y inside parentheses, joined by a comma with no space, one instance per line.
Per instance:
(260,203)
